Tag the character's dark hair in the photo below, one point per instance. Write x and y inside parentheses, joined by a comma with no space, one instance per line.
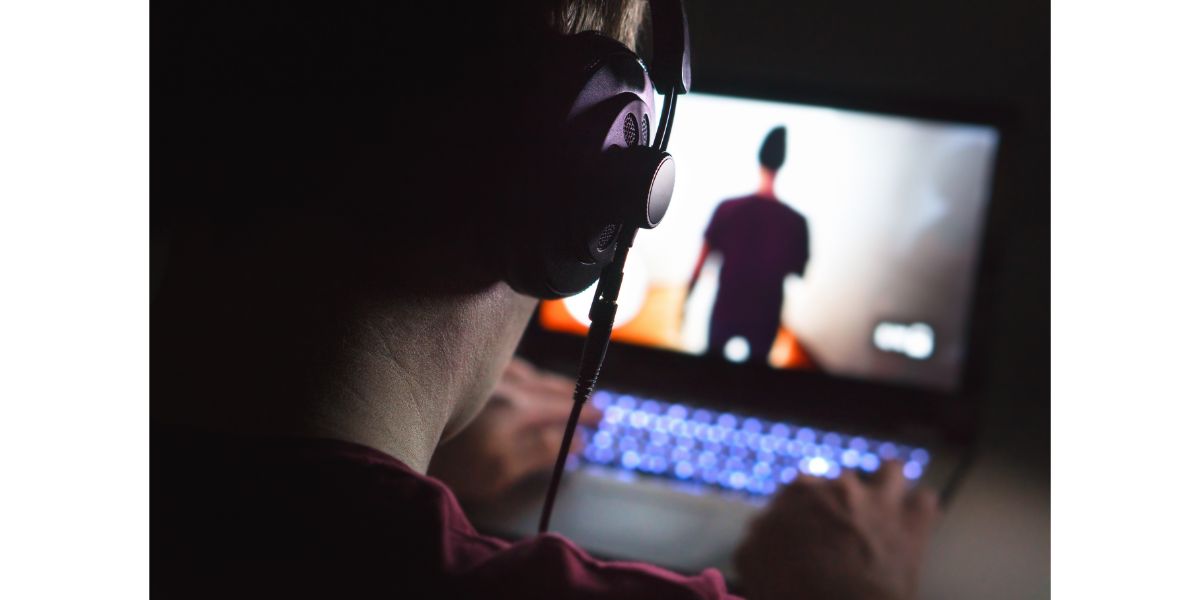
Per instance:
(773,149)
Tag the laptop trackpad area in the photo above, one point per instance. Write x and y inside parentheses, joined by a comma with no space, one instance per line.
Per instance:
(621,515)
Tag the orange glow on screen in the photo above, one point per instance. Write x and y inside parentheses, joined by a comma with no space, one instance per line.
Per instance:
(658,325)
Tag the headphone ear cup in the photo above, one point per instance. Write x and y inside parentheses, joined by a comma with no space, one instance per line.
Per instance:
(560,229)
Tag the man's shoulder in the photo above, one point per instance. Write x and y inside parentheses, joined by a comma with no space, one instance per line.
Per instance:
(340,512)
(246,473)
(786,210)
(735,204)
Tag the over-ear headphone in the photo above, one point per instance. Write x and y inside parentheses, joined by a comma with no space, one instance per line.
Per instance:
(599,176)
(602,180)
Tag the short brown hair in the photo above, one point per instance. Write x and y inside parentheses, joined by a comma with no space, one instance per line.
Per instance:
(619,19)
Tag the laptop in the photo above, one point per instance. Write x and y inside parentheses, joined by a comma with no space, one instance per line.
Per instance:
(804,308)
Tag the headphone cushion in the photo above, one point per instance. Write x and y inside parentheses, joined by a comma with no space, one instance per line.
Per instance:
(596,94)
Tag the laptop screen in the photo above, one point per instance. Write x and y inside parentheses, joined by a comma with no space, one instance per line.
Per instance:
(814,238)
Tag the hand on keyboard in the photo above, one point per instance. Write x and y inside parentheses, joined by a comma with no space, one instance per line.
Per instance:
(516,435)
(841,538)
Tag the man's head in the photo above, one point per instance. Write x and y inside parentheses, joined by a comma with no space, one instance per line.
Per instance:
(774,149)
(368,140)
(324,173)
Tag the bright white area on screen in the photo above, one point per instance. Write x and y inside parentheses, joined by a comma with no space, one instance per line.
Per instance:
(915,341)
(629,301)
(919,344)
(737,349)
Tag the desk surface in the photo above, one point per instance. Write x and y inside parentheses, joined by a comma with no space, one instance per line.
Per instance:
(995,540)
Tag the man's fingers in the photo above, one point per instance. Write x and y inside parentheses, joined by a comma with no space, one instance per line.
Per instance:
(923,504)
(576,444)
(890,480)
(590,416)
(559,391)
(542,383)
(804,486)
(541,450)
(519,370)
(540,387)
(555,385)
(555,414)
(847,488)
(547,414)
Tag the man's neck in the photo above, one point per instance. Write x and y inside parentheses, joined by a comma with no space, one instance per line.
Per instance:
(766,185)
(397,375)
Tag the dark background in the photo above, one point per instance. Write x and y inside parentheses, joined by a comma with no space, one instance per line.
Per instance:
(990,56)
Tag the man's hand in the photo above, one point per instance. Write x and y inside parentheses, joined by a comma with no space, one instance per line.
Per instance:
(516,435)
(844,538)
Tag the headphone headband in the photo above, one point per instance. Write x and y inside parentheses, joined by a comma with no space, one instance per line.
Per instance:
(671,68)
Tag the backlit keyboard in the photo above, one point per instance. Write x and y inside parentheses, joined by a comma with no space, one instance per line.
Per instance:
(728,450)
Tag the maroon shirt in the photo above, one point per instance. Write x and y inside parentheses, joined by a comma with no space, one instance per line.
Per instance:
(761,240)
(279,517)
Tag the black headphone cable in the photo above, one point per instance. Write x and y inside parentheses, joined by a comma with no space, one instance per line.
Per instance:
(602,315)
